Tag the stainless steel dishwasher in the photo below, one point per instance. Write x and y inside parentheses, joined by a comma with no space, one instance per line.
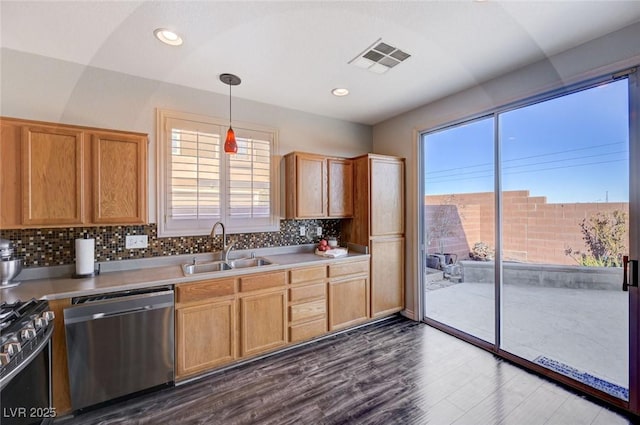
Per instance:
(119,343)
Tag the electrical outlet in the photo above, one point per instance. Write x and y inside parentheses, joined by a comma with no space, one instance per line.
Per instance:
(318,231)
(303,231)
(136,241)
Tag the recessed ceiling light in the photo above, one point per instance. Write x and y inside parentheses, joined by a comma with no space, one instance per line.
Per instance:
(168,37)
(340,92)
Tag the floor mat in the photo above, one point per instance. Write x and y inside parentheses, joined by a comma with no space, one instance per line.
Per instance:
(584,377)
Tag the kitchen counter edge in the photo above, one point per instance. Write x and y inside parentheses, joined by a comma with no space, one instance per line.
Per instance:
(114,281)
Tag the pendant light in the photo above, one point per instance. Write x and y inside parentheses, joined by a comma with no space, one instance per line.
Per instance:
(230,145)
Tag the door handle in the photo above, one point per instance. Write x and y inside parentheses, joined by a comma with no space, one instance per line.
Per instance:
(629,273)
(625,267)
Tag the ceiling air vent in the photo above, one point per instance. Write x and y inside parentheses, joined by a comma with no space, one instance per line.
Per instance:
(379,57)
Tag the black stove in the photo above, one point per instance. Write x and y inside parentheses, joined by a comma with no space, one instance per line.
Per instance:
(23,327)
(25,363)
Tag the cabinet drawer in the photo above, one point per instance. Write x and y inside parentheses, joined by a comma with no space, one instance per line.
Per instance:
(307,330)
(306,275)
(307,310)
(345,269)
(205,289)
(307,292)
(262,281)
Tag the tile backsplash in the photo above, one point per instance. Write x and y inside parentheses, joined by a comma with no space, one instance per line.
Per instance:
(56,246)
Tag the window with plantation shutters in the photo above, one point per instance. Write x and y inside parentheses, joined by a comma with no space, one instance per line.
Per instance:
(194,188)
(201,184)
(250,178)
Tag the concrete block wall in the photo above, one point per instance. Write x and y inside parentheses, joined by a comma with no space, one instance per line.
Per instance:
(534,230)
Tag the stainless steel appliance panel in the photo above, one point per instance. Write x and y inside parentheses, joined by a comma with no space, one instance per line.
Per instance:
(119,346)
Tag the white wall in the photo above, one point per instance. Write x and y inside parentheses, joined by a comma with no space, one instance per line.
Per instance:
(398,135)
(45,89)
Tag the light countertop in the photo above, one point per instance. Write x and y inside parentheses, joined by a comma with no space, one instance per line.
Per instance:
(118,280)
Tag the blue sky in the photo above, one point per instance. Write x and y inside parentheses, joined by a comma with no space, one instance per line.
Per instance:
(570,149)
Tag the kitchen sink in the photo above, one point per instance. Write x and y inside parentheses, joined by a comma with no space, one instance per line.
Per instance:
(214,266)
(241,263)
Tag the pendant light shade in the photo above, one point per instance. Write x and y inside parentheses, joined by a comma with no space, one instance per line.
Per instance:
(230,145)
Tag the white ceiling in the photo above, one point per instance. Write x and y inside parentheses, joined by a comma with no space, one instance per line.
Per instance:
(293,53)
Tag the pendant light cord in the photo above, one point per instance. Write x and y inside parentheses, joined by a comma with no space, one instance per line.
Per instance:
(229,104)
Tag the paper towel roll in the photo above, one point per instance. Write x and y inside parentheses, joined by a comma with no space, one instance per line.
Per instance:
(84,256)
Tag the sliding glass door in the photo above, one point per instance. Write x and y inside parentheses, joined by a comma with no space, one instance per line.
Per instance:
(565,210)
(527,215)
(459,214)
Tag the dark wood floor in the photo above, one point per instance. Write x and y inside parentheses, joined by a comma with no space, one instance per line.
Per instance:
(392,372)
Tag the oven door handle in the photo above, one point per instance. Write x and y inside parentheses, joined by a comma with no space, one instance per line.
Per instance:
(46,338)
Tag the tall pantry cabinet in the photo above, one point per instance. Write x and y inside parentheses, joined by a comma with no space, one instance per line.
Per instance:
(378,223)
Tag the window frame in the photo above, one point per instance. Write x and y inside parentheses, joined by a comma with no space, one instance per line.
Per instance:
(197,227)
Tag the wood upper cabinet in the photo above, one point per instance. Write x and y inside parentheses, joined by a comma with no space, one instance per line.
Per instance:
(119,178)
(52,179)
(311,189)
(61,175)
(318,186)
(387,276)
(306,185)
(340,181)
(386,176)
(10,174)
(378,198)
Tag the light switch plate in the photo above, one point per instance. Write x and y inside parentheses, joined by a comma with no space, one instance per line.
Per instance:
(318,231)
(303,231)
(136,241)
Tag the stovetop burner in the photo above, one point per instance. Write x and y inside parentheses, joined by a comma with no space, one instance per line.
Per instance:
(12,312)
(22,326)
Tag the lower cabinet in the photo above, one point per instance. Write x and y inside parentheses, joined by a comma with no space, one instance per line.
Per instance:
(220,321)
(307,303)
(348,294)
(303,331)
(263,322)
(205,336)
(61,396)
(387,275)
(206,325)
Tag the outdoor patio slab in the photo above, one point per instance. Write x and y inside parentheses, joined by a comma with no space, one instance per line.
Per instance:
(587,329)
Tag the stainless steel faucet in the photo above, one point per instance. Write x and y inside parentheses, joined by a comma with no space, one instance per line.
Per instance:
(225,248)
